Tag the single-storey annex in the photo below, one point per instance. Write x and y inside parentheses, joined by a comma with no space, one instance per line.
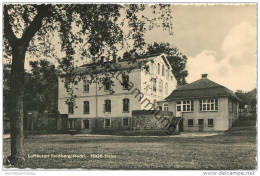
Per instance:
(204,106)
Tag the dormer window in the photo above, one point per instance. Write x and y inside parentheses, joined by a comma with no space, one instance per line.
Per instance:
(107,84)
(125,81)
(85,86)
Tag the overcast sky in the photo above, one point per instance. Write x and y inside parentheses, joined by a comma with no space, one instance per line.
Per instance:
(218,40)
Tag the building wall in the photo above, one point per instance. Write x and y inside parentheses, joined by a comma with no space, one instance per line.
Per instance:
(147,85)
(233,111)
(220,117)
(97,95)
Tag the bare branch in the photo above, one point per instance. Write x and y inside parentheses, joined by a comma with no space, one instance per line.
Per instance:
(8,32)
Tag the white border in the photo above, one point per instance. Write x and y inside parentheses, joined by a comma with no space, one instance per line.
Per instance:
(111,172)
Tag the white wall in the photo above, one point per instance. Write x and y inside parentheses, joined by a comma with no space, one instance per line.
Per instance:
(137,78)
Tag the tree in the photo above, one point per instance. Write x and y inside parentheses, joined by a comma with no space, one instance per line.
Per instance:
(41,87)
(93,29)
(175,57)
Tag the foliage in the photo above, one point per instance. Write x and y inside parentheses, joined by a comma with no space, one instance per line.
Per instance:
(85,31)
(41,87)
(247,98)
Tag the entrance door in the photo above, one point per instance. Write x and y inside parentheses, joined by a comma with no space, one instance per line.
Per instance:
(86,124)
(201,124)
(181,125)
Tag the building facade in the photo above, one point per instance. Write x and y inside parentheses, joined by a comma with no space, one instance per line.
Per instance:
(204,106)
(108,105)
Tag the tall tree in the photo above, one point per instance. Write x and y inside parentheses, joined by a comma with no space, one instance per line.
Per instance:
(175,57)
(95,29)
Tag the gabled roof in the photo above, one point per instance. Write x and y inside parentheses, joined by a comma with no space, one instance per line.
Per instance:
(125,64)
(202,88)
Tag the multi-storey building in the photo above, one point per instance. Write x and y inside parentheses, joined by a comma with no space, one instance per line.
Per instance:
(108,105)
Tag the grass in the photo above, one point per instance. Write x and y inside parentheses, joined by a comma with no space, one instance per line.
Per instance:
(235,149)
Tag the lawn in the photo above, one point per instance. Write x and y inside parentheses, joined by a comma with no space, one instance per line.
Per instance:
(235,149)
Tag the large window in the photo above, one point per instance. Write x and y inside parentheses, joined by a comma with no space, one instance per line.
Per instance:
(185,106)
(210,123)
(70,108)
(86,107)
(85,86)
(125,81)
(107,106)
(208,104)
(190,122)
(125,105)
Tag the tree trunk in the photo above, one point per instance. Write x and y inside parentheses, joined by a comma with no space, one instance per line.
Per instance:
(15,109)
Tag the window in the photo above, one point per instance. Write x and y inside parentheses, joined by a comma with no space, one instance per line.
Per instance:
(107,84)
(125,122)
(210,122)
(162,70)
(171,78)
(178,106)
(154,84)
(125,105)
(190,122)
(85,86)
(86,107)
(125,81)
(161,87)
(209,105)
(185,106)
(158,68)
(107,123)
(86,124)
(107,105)
(70,108)
(166,88)
(165,107)
(160,108)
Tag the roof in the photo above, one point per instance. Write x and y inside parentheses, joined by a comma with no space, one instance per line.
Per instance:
(125,64)
(202,88)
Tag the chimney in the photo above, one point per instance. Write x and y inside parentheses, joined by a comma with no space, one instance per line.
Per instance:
(204,76)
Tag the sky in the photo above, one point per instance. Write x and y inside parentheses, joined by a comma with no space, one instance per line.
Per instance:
(220,40)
